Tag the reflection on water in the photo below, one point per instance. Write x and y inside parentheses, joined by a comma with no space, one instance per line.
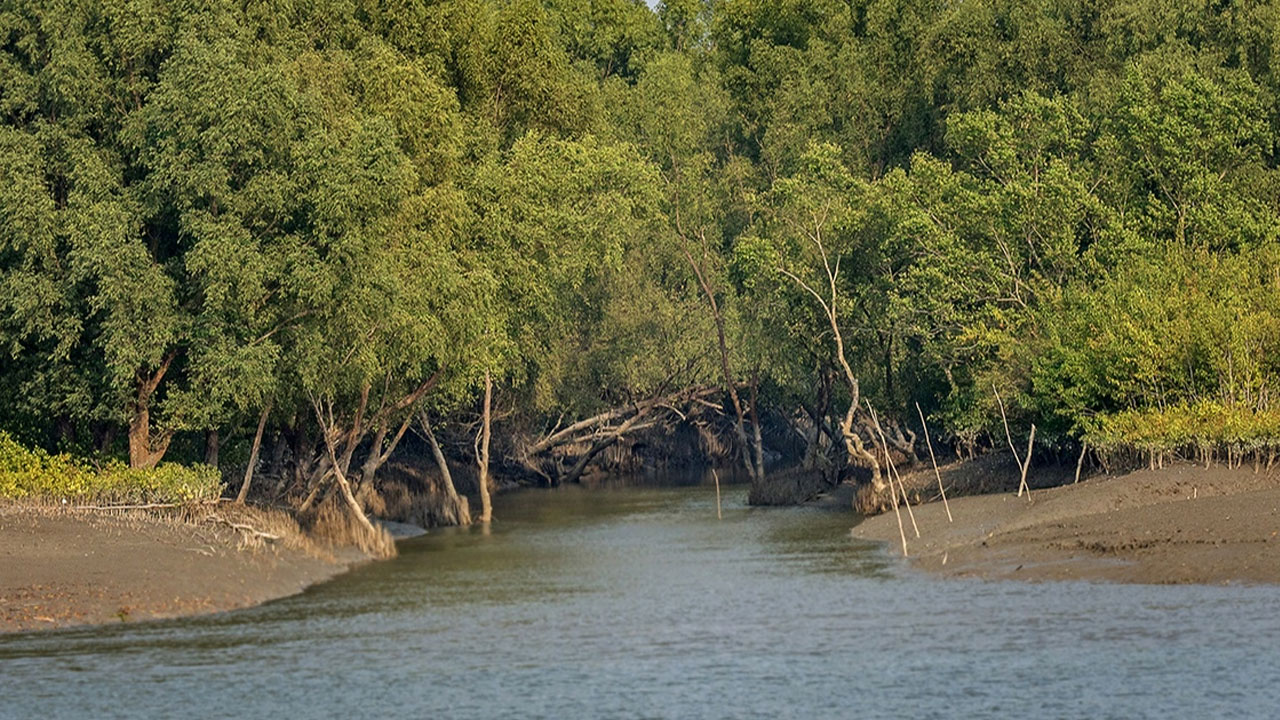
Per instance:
(631,600)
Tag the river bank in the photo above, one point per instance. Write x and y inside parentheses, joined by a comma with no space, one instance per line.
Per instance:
(61,568)
(1184,524)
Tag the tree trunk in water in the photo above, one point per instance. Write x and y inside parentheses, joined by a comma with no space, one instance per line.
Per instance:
(482,454)
(253,455)
(456,510)
(211,443)
(738,421)
(755,427)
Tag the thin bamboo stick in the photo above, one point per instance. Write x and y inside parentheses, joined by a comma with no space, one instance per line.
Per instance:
(893,469)
(934,460)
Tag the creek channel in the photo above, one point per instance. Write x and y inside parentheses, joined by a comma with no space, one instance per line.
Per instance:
(632,600)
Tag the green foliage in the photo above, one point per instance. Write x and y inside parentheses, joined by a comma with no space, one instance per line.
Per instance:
(1203,426)
(212,208)
(1187,328)
(35,475)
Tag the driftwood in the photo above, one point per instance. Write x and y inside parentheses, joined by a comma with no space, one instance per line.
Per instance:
(604,429)
(246,529)
(143,506)
(585,428)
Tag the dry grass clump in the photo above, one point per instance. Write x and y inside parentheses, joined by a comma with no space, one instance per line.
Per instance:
(428,507)
(257,527)
(249,528)
(333,523)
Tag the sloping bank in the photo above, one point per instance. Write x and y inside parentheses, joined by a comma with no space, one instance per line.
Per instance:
(1185,524)
(60,568)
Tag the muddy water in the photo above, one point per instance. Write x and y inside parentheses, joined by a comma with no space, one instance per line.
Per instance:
(636,602)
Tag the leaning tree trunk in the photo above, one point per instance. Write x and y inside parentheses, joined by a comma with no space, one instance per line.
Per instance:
(253,455)
(875,492)
(482,451)
(852,441)
(378,456)
(344,486)
(338,468)
(454,510)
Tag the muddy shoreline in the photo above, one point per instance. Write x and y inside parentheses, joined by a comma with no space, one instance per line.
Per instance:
(63,568)
(1185,524)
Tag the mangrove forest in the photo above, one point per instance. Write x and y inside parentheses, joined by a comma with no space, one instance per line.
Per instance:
(393,255)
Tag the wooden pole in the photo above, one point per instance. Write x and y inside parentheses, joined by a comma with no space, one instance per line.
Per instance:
(893,469)
(903,488)
(716,475)
(1084,447)
(902,533)
(934,460)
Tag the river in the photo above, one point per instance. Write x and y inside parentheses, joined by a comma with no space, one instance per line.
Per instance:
(636,602)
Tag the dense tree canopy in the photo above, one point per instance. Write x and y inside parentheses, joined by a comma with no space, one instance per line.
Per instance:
(322,218)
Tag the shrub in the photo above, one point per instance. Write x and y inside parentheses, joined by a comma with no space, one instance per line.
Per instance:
(1204,425)
(36,475)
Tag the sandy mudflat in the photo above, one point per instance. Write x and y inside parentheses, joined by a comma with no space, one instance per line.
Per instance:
(1180,525)
(61,568)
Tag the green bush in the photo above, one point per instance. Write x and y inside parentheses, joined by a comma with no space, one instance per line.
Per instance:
(33,474)
(1203,425)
